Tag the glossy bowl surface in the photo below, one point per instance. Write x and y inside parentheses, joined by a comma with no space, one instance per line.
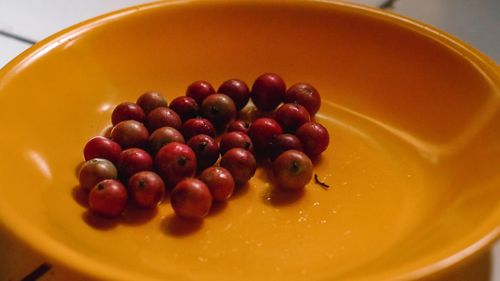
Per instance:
(413,164)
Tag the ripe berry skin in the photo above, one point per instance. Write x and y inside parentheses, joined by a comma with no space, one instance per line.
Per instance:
(191,199)
(238,125)
(163,136)
(237,90)
(220,182)
(314,138)
(102,147)
(146,189)
(199,90)
(292,169)
(268,91)
(282,143)
(240,163)
(174,162)
(151,100)
(262,131)
(134,160)
(108,198)
(305,95)
(197,126)
(162,117)
(291,116)
(130,133)
(206,150)
(235,139)
(185,107)
(94,171)
(219,109)
(127,111)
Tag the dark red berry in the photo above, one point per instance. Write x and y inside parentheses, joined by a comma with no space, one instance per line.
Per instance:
(305,95)
(163,117)
(101,147)
(235,139)
(262,131)
(185,107)
(237,90)
(94,171)
(292,169)
(191,199)
(291,116)
(268,91)
(314,138)
(108,198)
(240,163)
(197,126)
(219,181)
(130,133)
(146,189)
(151,100)
(206,150)
(134,160)
(219,109)
(282,143)
(238,126)
(174,162)
(163,136)
(199,90)
(127,111)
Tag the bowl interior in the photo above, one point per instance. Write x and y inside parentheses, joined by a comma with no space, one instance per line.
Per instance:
(413,119)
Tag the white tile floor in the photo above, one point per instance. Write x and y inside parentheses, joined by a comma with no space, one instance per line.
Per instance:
(475,22)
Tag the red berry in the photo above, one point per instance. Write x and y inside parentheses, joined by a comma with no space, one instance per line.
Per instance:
(197,126)
(199,90)
(108,198)
(292,169)
(174,162)
(163,136)
(127,111)
(282,143)
(134,160)
(219,109)
(268,91)
(101,147)
(291,116)
(163,117)
(238,126)
(235,139)
(237,90)
(262,131)
(206,150)
(94,171)
(185,107)
(191,199)
(314,138)
(146,189)
(220,182)
(240,163)
(130,133)
(151,100)
(305,95)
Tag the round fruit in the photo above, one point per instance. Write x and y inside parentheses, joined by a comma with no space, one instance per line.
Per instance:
(237,90)
(268,91)
(185,107)
(235,139)
(134,160)
(191,199)
(151,100)
(197,126)
(130,133)
(220,182)
(94,171)
(206,150)
(101,147)
(282,143)
(174,162)
(127,111)
(146,189)
(314,138)
(199,90)
(238,126)
(291,116)
(262,131)
(240,163)
(292,169)
(163,136)
(219,109)
(305,95)
(163,117)
(108,198)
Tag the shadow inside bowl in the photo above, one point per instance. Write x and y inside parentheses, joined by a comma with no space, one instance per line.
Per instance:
(174,226)
(99,222)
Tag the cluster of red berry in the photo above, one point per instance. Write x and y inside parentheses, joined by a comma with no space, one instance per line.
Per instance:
(153,146)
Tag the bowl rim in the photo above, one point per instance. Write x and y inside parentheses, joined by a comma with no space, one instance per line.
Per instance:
(63,256)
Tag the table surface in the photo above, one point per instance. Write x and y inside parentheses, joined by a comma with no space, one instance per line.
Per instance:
(24,22)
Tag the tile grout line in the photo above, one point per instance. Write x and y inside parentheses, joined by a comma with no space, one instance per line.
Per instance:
(17,37)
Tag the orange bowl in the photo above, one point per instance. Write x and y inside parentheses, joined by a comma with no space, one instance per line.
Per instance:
(413,116)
